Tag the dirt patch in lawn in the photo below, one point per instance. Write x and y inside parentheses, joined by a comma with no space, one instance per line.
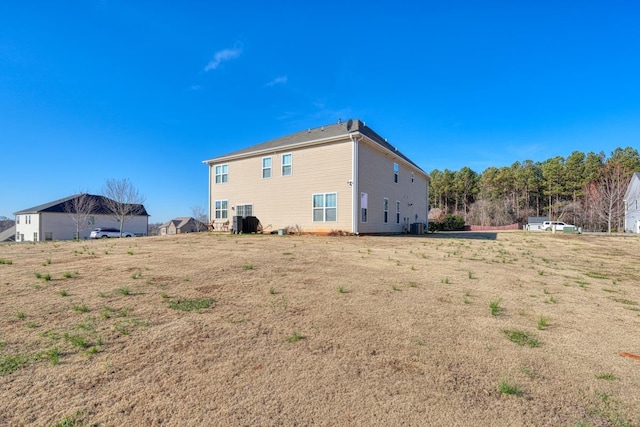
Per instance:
(508,328)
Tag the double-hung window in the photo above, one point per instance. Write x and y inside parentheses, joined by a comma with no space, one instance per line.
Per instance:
(221,209)
(364,207)
(385,210)
(287,163)
(222,174)
(397,212)
(244,210)
(325,207)
(266,167)
(396,171)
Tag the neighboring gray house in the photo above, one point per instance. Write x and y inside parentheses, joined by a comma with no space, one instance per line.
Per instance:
(57,220)
(632,205)
(338,177)
(180,225)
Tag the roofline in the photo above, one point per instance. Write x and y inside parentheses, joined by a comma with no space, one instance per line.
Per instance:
(280,148)
(346,137)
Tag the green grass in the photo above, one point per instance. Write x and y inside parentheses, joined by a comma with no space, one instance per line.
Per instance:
(6,261)
(247,267)
(596,275)
(191,304)
(64,293)
(45,277)
(606,376)
(625,301)
(272,291)
(543,322)
(21,315)
(53,355)
(509,388)
(495,308)
(124,291)
(521,338)
(295,337)
(395,288)
(76,340)
(341,289)
(11,363)
(81,308)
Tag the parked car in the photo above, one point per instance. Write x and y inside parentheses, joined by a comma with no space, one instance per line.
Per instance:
(557,225)
(106,232)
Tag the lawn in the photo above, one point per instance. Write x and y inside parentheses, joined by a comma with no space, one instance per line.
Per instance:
(499,329)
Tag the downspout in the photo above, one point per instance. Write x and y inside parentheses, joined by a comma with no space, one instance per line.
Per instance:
(209,197)
(355,196)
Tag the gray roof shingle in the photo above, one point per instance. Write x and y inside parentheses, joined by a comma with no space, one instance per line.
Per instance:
(336,130)
(59,205)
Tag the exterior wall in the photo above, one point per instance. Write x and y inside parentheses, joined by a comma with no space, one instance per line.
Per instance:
(25,228)
(376,178)
(286,201)
(632,207)
(62,227)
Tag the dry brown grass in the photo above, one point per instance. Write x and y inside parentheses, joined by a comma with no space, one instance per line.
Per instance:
(306,330)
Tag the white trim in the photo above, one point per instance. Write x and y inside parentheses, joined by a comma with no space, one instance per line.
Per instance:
(324,206)
(282,165)
(270,167)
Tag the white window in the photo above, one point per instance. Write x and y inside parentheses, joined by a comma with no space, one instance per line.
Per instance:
(244,210)
(364,206)
(222,174)
(397,212)
(266,167)
(325,207)
(385,210)
(287,162)
(396,170)
(17,220)
(35,236)
(27,219)
(221,211)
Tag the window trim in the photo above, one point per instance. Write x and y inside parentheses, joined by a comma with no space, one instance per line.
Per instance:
(243,206)
(397,211)
(221,177)
(223,210)
(269,168)
(385,210)
(396,172)
(324,206)
(364,207)
(283,164)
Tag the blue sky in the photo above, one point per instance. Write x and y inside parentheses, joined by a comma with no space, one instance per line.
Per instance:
(99,89)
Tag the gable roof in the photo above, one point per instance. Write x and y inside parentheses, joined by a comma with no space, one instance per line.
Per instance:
(634,177)
(316,136)
(178,222)
(58,206)
(8,235)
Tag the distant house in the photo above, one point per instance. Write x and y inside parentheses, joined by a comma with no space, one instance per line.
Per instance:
(632,205)
(183,224)
(62,220)
(340,177)
(534,223)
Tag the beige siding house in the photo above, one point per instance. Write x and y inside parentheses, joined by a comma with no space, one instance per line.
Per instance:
(340,177)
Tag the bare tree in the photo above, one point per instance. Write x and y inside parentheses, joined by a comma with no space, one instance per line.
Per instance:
(606,194)
(79,209)
(122,200)
(200,215)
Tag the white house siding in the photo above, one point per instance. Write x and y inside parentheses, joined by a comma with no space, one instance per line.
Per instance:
(286,201)
(376,178)
(25,227)
(632,205)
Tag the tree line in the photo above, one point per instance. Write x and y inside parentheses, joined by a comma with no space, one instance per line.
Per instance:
(582,189)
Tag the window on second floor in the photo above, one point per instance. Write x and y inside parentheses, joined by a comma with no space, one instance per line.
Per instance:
(266,167)
(287,163)
(396,170)
(222,174)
